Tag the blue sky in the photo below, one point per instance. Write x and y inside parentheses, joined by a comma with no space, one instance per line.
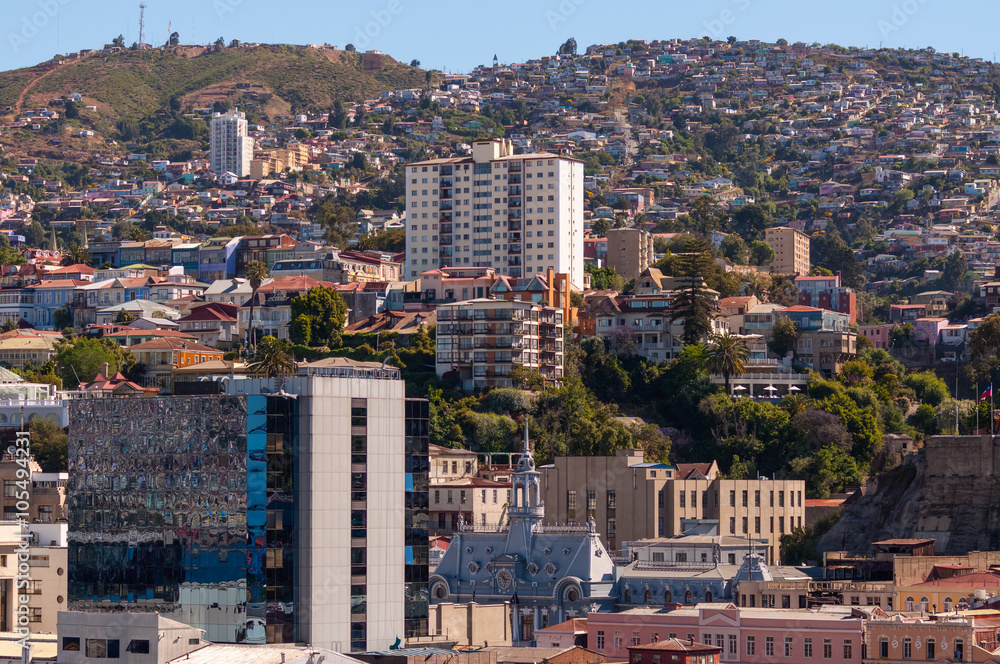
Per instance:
(457,35)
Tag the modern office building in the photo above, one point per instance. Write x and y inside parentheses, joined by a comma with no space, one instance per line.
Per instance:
(630,251)
(632,500)
(261,510)
(479,341)
(521,214)
(231,149)
(791,250)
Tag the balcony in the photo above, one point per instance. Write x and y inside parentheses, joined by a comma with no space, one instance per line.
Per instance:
(514,191)
(514,261)
(445,205)
(445,241)
(446,182)
(514,202)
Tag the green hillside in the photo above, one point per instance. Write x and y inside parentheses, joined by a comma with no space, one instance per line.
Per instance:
(137,84)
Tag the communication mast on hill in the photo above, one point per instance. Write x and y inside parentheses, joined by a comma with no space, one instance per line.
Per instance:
(142,25)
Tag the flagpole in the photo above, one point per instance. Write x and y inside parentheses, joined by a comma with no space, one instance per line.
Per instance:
(977,409)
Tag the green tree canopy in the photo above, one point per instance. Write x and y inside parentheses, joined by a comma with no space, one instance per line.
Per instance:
(326,312)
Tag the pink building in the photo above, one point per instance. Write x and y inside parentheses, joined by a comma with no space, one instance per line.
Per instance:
(877,334)
(929,329)
(746,635)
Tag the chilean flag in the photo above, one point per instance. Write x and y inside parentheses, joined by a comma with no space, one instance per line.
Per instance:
(987,393)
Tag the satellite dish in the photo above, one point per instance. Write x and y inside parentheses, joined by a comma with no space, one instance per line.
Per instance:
(10,449)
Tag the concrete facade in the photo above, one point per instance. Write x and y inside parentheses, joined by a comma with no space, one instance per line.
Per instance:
(633,500)
(630,251)
(520,214)
(791,250)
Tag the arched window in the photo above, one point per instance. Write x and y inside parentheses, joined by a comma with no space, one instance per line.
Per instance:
(628,595)
(948,605)
(440,592)
(572,595)
(708,595)
(687,597)
(648,596)
(924,603)
(909,603)
(666,595)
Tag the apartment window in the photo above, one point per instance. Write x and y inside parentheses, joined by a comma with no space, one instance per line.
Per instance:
(454,468)
(732,525)
(930,648)
(494,496)
(732,499)
(635,638)
(571,500)
(682,499)
(611,500)
(591,501)
(732,558)
(849,649)
(618,640)
(828,648)
(450,497)
(781,499)
(959,650)
(769,646)
(772,499)
(788,646)
(807,647)
(756,498)
(751,645)
(745,496)
(756,524)
(732,644)
(745,519)
(600,639)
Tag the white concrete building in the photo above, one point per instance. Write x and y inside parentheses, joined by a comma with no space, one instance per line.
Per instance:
(519,214)
(231,149)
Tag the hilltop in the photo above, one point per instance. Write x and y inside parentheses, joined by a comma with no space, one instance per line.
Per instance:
(273,80)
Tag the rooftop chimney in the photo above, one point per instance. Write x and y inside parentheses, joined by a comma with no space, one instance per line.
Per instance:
(104,369)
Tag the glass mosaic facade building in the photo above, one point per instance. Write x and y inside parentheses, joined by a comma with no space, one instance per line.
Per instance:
(261,515)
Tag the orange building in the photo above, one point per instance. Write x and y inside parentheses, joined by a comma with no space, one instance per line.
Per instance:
(161,356)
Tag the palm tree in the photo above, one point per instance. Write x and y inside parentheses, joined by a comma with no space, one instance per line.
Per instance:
(271,359)
(794,403)
(255,272)
(728,355)
(76,255)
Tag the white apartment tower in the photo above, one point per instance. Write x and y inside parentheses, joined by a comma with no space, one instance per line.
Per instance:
(231,148)
(519,214)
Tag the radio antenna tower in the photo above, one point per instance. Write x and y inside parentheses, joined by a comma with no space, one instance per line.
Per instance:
(142,26)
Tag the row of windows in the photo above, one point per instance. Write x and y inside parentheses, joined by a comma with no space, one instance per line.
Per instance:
(462,496)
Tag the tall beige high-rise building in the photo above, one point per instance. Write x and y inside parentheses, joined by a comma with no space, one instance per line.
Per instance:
(521,214)
(630,251)
(791,250)
(231,149)
(632,500)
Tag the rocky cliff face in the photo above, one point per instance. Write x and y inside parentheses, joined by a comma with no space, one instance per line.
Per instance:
(949,493)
